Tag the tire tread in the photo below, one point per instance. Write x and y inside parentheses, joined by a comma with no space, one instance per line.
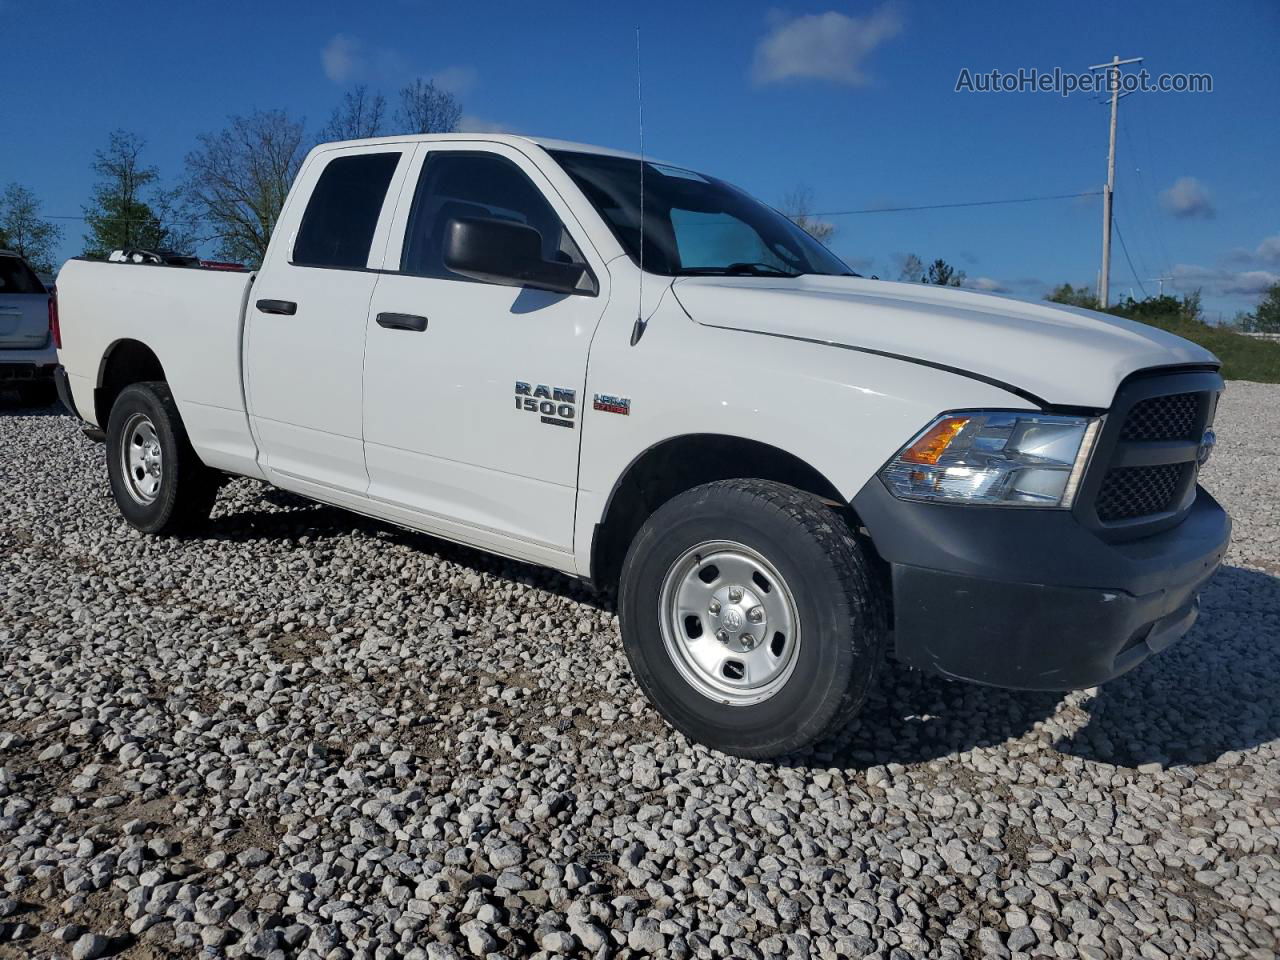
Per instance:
(196,485)
(852,586)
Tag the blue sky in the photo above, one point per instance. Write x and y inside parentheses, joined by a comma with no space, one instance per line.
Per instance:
(855,101)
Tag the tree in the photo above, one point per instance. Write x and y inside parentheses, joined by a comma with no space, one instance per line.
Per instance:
(797,206)
(942,274)
(1073,296)
(238,179)
(912,269)
(939,272)
(359,115)
(23,231)
(426,108)
(1266,318)
(129,208)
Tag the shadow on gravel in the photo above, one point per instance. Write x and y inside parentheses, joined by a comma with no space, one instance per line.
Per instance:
(300,517)
(14,405)
(913,718)
(1214,692)
(1211,693)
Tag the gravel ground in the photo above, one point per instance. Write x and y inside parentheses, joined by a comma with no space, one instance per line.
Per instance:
(305,734)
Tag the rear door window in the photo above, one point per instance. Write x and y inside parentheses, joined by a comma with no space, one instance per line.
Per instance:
(17,277)
(342,214)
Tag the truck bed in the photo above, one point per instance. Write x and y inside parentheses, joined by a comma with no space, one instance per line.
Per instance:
(192,319)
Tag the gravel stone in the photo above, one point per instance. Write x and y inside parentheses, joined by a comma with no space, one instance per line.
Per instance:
(301,734)
(89,947)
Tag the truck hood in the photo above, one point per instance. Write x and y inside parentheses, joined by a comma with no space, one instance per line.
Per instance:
(1060,355)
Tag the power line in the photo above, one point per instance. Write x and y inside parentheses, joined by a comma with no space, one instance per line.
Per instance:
(966,203)
(1144,204)
(81,216)
(828,213)
(1125,248)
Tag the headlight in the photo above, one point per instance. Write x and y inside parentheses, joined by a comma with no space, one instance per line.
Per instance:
(994,457)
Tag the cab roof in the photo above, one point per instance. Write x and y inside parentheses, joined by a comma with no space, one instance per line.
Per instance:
(510,139)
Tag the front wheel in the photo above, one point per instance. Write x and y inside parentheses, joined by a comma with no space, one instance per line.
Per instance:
(157,480)
(751,617)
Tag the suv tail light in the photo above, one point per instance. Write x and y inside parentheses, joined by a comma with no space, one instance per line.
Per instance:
(55,329)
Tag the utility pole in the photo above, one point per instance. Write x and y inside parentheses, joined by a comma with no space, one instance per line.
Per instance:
(1159,280)
(1113,77)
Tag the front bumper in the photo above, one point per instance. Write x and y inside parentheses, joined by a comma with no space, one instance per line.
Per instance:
(1031,599)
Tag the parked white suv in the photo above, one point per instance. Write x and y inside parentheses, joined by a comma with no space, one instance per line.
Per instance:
(27,354)
(788,470)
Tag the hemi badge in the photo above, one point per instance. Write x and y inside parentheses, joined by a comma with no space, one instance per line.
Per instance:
(608,404)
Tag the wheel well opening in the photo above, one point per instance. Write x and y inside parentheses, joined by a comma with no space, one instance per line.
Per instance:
(125,362)
(680,464)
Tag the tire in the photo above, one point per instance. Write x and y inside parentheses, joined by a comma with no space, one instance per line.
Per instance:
(157,480)
(798,570)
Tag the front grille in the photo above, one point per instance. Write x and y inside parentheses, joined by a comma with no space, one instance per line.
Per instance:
(1130,492)
(1142,475)
(1163,418)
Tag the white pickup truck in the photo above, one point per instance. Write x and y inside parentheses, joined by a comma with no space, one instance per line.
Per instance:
(788,471)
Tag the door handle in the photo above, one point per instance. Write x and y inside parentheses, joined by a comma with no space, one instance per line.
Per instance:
(285,308)
(402,321)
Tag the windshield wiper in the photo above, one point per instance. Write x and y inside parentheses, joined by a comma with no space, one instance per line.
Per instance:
(743,268)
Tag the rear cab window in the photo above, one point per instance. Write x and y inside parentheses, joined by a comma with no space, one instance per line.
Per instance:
(342,212)
(17,277)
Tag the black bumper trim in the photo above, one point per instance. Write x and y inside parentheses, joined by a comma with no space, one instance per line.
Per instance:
(63,386)
(1031,599)
(24,372)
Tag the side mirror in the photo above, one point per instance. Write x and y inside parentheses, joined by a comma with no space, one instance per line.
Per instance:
(508,253)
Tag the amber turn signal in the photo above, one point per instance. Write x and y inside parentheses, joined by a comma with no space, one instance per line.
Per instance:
(934,442)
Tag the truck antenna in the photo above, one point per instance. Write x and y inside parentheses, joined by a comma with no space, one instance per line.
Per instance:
(637,331)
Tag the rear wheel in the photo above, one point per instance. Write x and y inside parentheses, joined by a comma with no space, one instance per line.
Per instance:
(751,617)
(157,480)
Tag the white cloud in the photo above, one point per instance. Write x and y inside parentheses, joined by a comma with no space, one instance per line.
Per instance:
(823,46)
(342,58)
(985,284)
(347,60)
(470,123)
(457,80)
(1187,198)
(1269,250)
(1251,282)
(1189,276)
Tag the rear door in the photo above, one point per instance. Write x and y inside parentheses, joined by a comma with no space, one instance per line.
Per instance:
(24,306)
(304,350)
(473,391)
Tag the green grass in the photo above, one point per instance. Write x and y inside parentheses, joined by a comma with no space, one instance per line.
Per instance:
(1243,358)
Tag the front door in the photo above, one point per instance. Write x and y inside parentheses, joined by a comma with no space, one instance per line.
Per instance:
(474,391)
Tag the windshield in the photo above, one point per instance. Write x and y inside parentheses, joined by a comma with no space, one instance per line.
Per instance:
(694,224)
